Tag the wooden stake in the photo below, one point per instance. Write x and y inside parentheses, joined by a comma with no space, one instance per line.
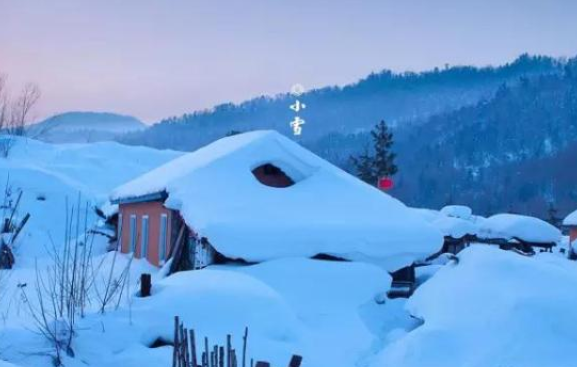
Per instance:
(175,348)
(244,342)
(193,348)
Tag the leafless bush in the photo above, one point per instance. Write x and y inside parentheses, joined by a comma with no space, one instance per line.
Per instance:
(62,290)
(15,114)
(109,287)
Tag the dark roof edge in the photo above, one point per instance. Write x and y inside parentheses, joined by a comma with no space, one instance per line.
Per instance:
(156,196)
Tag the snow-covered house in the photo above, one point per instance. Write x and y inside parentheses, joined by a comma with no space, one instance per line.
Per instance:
(259,196)
(457,224)
(521,232)
(571,224)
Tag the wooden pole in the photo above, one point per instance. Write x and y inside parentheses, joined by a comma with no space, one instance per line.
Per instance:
(221,357)
(145,284)
(244,342)
(193,348)
(228,350)
(175,348)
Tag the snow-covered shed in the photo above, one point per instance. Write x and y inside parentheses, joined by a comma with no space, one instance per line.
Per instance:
(520,231)
(259,196)
(571,223)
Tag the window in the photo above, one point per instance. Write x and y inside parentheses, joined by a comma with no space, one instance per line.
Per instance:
(144,239)
(119,234)
(270,175)
(162,238)
(132,233)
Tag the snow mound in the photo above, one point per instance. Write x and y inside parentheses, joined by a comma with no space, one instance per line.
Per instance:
(216,303)
(571,219)
(328,298)
(455,227)
(326,210)
(457,211)
(511,226)
(495,308)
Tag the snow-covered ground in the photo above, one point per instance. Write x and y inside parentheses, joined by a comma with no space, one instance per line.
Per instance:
(490,308)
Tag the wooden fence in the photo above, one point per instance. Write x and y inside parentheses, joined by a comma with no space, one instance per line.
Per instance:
(185,353)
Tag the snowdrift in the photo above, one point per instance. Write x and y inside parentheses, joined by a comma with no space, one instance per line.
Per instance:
(326,210)
(495,308)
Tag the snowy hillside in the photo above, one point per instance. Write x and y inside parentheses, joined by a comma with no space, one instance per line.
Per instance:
(50,175)
(82,127)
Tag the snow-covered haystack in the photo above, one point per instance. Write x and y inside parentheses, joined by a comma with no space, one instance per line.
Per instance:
(495,308)
(520,227)
(49,175)
(325,211)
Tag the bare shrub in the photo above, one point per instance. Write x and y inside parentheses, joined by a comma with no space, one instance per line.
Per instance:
(62,290)
(15,114)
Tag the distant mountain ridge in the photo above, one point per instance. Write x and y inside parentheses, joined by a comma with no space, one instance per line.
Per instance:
(398,98)
(82,127)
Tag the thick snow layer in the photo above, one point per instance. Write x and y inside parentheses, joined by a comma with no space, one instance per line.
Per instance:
(50,175)
(571,219)
(455,227)
(429,215)
(494,308)
(510,226)
(457,211)
(326,211)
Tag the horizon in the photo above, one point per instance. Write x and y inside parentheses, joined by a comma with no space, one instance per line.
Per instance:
(150,61)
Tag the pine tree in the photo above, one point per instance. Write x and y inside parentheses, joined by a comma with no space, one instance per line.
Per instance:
(381,163)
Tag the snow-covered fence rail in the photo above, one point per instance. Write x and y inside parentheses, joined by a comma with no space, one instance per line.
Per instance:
(185,352)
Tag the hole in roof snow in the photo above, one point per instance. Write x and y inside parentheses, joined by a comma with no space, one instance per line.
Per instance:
(270,175)
(160,342)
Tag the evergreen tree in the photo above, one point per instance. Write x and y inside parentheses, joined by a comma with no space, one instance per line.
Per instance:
(371,167)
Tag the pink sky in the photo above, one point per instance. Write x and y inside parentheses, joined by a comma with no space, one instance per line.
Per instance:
(154,59)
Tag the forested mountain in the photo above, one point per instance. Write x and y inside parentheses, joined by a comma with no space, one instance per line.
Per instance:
(497,139)
(398,98)
(516,151)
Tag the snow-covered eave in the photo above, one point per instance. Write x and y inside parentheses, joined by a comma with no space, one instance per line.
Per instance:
(155,196)
(513,239)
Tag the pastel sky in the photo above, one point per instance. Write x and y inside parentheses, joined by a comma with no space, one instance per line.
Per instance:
(155,58)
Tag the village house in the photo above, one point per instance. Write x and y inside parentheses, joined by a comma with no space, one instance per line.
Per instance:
(570,223)
(260,196)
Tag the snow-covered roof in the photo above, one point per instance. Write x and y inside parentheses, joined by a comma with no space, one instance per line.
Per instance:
(571,219)
(457,211)
(326,210)
(509,226)
(455,227)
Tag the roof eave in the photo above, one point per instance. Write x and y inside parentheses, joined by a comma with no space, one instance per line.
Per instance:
(156,196)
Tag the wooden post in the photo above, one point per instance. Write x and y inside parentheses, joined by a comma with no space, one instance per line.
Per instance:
(193,348)
(244,341)
(228,350)
(295,361)
(145,284)
(206,350)
(221,356)
(175,348)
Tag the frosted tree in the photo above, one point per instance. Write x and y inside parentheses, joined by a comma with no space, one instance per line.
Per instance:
(379,161)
